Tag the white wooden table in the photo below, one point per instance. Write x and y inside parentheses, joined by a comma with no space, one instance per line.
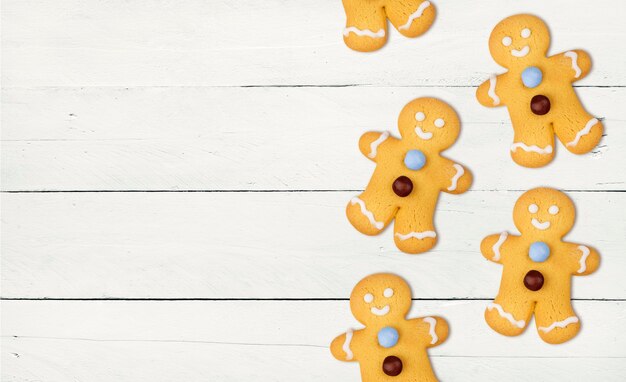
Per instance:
(174,176)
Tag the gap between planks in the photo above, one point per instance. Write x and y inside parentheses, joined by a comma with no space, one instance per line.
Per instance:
(156,299)
(245,191)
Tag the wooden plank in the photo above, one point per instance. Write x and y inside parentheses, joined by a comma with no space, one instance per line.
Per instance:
(263,139)
(266,245)
(221,340)
(218,43)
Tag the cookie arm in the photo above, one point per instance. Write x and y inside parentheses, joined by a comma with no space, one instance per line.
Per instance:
(371,143)
(341,347)
(574,63)
(432,330)
(487,92)
(584,260)
(492,247)
(456,178)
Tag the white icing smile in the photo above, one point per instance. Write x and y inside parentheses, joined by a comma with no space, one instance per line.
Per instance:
(522,52)
(540,225)
(423,134)
(380,312)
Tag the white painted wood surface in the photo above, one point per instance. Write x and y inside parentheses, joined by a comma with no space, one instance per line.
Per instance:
(267,245)
(280,340)
(259,106)
(264,139)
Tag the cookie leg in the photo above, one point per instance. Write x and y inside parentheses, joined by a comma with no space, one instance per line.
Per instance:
(413,17)
(508,314)
(579,131)
(533,144)
(370,212)
(414,231)
(366,25)
(556,321)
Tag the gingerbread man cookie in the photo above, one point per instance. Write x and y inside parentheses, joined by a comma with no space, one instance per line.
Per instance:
(537,268)
(409,174)
(366,24)
(538,92)
(390,347)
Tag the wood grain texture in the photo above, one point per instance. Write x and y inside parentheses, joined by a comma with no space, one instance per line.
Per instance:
(277,42)
(160,95)
(264,139)
(266,245)
(272,340)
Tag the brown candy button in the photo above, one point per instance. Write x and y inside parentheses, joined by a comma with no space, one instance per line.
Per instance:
(540,104)
(402,186)
(392,366)
(533,280)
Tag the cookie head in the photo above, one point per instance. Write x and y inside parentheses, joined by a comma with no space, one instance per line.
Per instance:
(544,211)
(519,40)
(432,123)
(381,297)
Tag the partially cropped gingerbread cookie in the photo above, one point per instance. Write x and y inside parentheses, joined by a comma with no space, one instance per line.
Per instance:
(537,268)
(538,92)
(390,347)
(366,21)
(410,173)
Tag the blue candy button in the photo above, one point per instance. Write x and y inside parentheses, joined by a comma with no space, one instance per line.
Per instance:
(532,77)
(539,251)
(388,337)
(414,159)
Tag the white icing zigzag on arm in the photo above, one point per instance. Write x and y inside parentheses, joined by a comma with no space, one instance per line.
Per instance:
(583,258)
(459,173)
(416,235)
(346,345)
(574,57)
(520,324)
(415,15)
(374,145)
(559,324)
(367,213)
(592,122)
(433,323)
(492,90)
(498,244)
(364,32)
(532,148)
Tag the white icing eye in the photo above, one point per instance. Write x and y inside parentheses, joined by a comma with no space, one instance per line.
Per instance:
(533,208)
(553,210)
(507,41)
(420,116)
(526,33)
(368,298)
(388,292)
(439,123)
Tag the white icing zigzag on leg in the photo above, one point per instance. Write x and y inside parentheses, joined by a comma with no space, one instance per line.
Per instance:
(592,122)
(492,90)
(574,57)
(367,213)
(534,148)
(346,345)
(498,244)
(416,235)
(364,32)
(374,145)
(455,178)
(433,323)
(559,324)
(415,15)
(583,258)
(520,324)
